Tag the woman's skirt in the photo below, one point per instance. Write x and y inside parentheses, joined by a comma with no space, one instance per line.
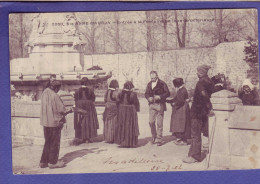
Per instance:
(127,130)
(181,122)
(110,121)
(86,125)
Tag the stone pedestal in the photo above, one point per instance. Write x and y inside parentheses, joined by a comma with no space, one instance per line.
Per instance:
(224,102)
(244,133)
(235,134)
(25,118)
(56,53)
(26,128)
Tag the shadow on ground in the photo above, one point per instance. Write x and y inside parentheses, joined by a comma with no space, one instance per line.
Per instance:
(146,140)
(76,154)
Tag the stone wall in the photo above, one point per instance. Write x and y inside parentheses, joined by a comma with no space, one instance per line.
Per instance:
(225,58)
(230,61)
(168,64)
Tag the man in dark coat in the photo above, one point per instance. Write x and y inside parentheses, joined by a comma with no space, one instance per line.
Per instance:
(200,109)
(156,93)
(219,85)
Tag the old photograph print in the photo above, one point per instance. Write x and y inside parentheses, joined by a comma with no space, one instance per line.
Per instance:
(134,91)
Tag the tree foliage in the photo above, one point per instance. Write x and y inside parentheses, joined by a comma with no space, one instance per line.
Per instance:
(252,57)
(146,31)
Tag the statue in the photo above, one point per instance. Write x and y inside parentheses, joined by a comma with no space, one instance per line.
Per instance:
(62,24)
(70,28)
(38,27)
(69,25)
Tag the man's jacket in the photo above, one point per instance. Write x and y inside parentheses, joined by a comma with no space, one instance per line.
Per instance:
(161,89)
(201,104)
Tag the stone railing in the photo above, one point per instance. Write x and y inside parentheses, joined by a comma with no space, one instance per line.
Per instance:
(234,133)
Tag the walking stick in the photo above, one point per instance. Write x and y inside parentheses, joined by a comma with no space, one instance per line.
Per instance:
(211,140)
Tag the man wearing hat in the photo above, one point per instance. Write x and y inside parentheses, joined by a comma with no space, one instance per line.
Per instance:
(200,109)
(52,118)
(48,83)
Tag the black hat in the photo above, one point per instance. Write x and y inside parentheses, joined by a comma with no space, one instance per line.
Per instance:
(113,84)
(128,85)
(55,83)
(178,82)
(84,81)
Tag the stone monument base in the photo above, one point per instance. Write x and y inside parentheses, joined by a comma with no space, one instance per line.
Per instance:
(25,118)
(234,134)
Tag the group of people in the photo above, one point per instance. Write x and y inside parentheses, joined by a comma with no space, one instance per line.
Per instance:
(187,123)
(120,116)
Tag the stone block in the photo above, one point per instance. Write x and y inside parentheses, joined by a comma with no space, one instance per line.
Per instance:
(223,107)
(220,100)
(245,143)
(238,162)
(26,109)
(219,160)
(55,62)
(239,141)
(245,117)
(29,131)
(219,139)
(224,100)
(223,94)
(25,126)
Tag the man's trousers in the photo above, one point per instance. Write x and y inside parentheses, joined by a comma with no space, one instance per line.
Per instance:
(51,147)
(156,112)
(196,130)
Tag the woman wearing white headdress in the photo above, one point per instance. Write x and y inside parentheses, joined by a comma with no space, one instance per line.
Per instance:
(249,94)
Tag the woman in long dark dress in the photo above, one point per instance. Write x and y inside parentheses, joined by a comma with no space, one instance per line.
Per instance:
(111,112)
(85,124)
(180,119)
(127,125)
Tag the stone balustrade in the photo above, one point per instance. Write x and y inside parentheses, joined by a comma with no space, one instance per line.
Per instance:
(234,133)
(25,118)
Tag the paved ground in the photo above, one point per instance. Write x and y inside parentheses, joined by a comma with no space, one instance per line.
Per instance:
(100,157)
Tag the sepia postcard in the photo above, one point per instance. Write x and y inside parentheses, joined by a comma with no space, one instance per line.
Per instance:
(134,91)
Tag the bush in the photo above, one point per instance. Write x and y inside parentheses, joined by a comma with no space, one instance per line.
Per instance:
(95,68)
(251,57)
